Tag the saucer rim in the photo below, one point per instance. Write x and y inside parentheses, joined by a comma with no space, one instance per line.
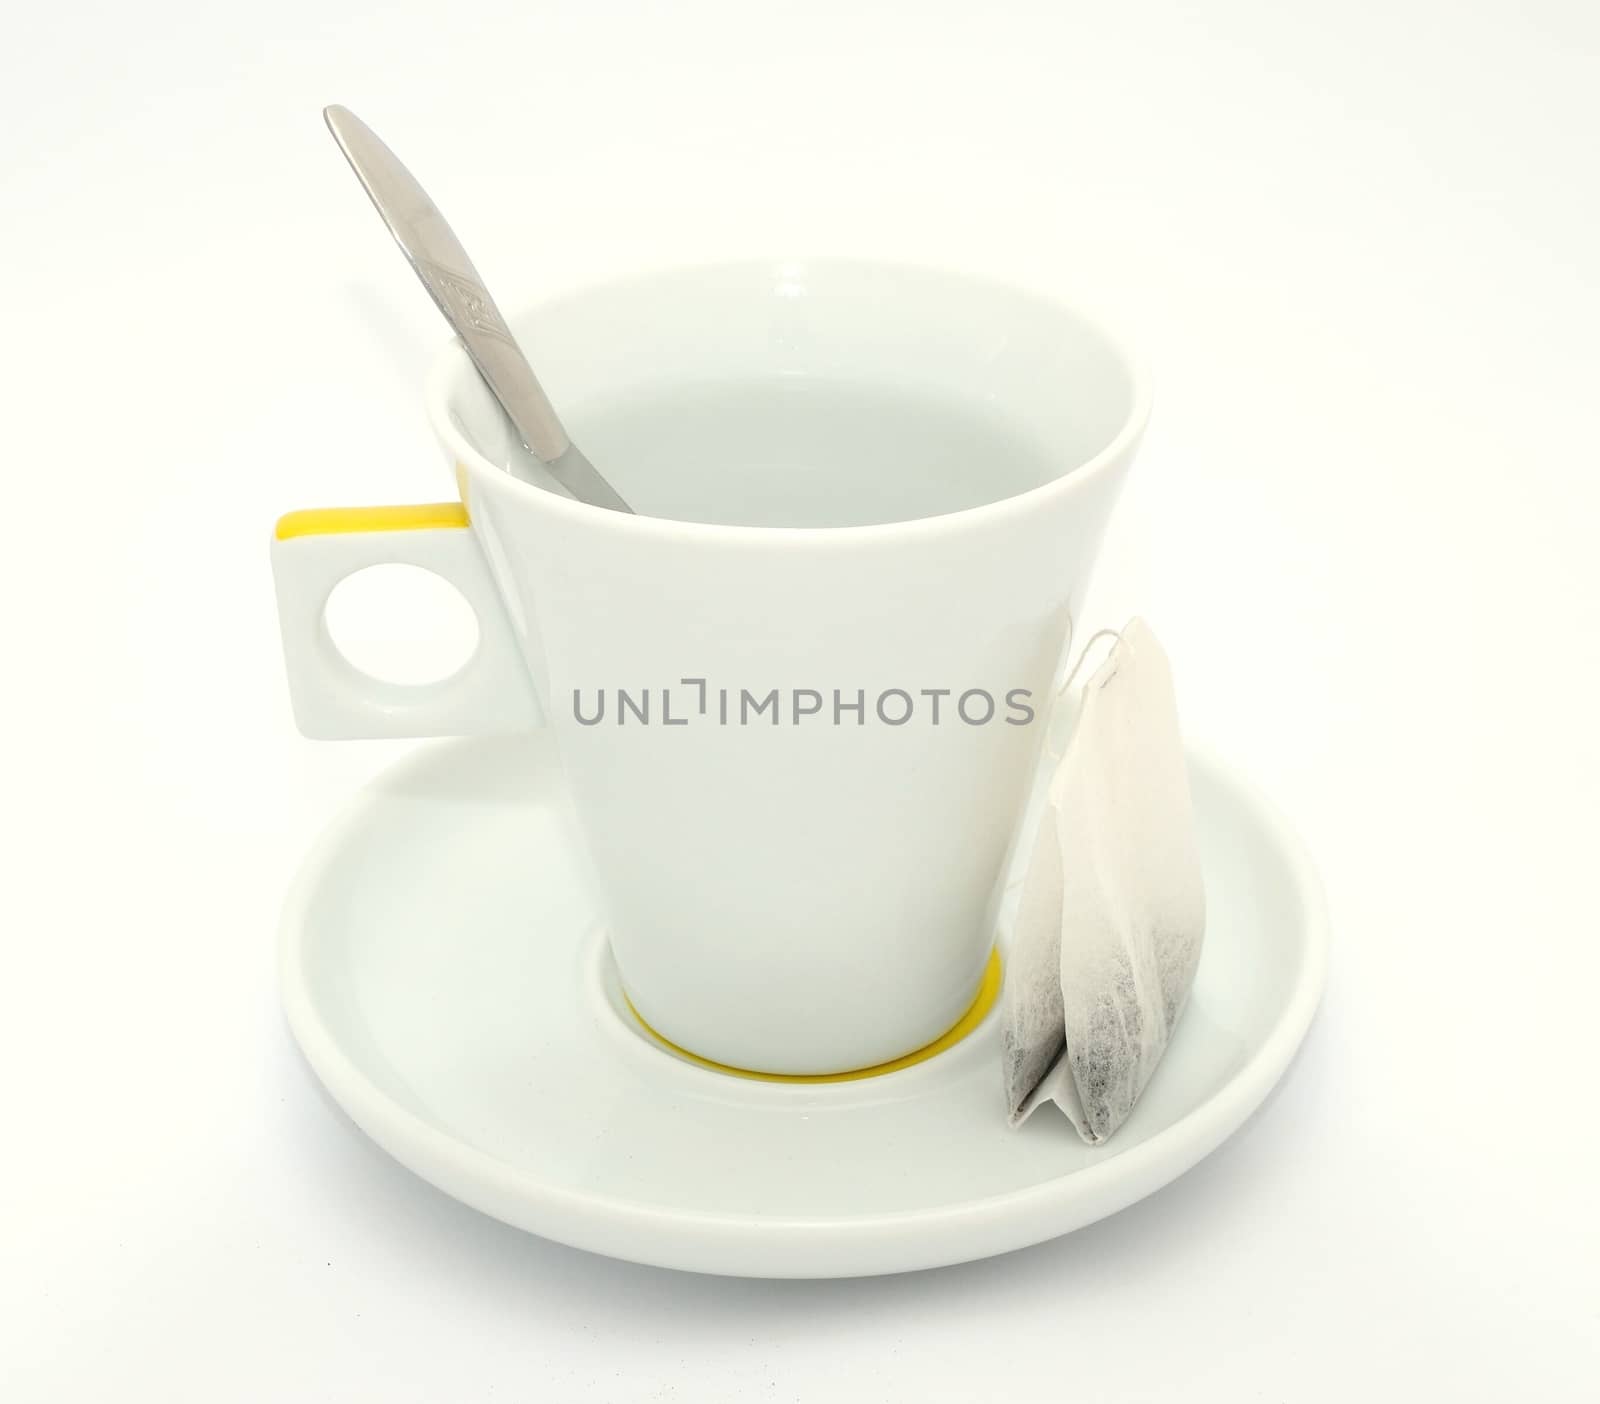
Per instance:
(745,1244)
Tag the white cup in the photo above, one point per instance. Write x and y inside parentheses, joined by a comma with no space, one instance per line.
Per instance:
(919,467)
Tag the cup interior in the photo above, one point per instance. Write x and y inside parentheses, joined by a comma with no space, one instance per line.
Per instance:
(818,393)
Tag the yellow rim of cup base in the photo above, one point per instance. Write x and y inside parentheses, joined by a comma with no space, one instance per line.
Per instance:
(988,992)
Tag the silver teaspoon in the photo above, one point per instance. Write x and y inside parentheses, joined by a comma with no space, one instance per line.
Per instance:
(438,259)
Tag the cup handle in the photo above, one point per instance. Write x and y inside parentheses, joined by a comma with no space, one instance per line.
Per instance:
(334,700)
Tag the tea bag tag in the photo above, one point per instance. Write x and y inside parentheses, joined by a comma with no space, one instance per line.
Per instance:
(1111,916)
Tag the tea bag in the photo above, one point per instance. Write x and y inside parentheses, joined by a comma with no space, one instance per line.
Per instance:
(1111,915)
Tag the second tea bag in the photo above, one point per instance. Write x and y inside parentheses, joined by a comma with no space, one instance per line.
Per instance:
(1111,915)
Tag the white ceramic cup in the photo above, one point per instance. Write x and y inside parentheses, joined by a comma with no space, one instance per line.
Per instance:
(802,887)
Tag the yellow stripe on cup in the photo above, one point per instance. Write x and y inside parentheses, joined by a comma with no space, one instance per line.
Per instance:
(340,521)
(988,992)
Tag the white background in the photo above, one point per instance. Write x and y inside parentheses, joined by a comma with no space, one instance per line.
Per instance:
(1359,240)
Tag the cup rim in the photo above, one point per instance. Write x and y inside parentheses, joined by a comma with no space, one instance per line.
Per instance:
(452,359)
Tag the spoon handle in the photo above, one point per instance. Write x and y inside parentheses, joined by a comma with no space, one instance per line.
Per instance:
(438,259)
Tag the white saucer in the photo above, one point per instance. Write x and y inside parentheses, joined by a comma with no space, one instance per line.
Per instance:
(445,975)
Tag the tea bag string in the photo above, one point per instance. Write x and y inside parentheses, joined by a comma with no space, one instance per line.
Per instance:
(1073,672)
